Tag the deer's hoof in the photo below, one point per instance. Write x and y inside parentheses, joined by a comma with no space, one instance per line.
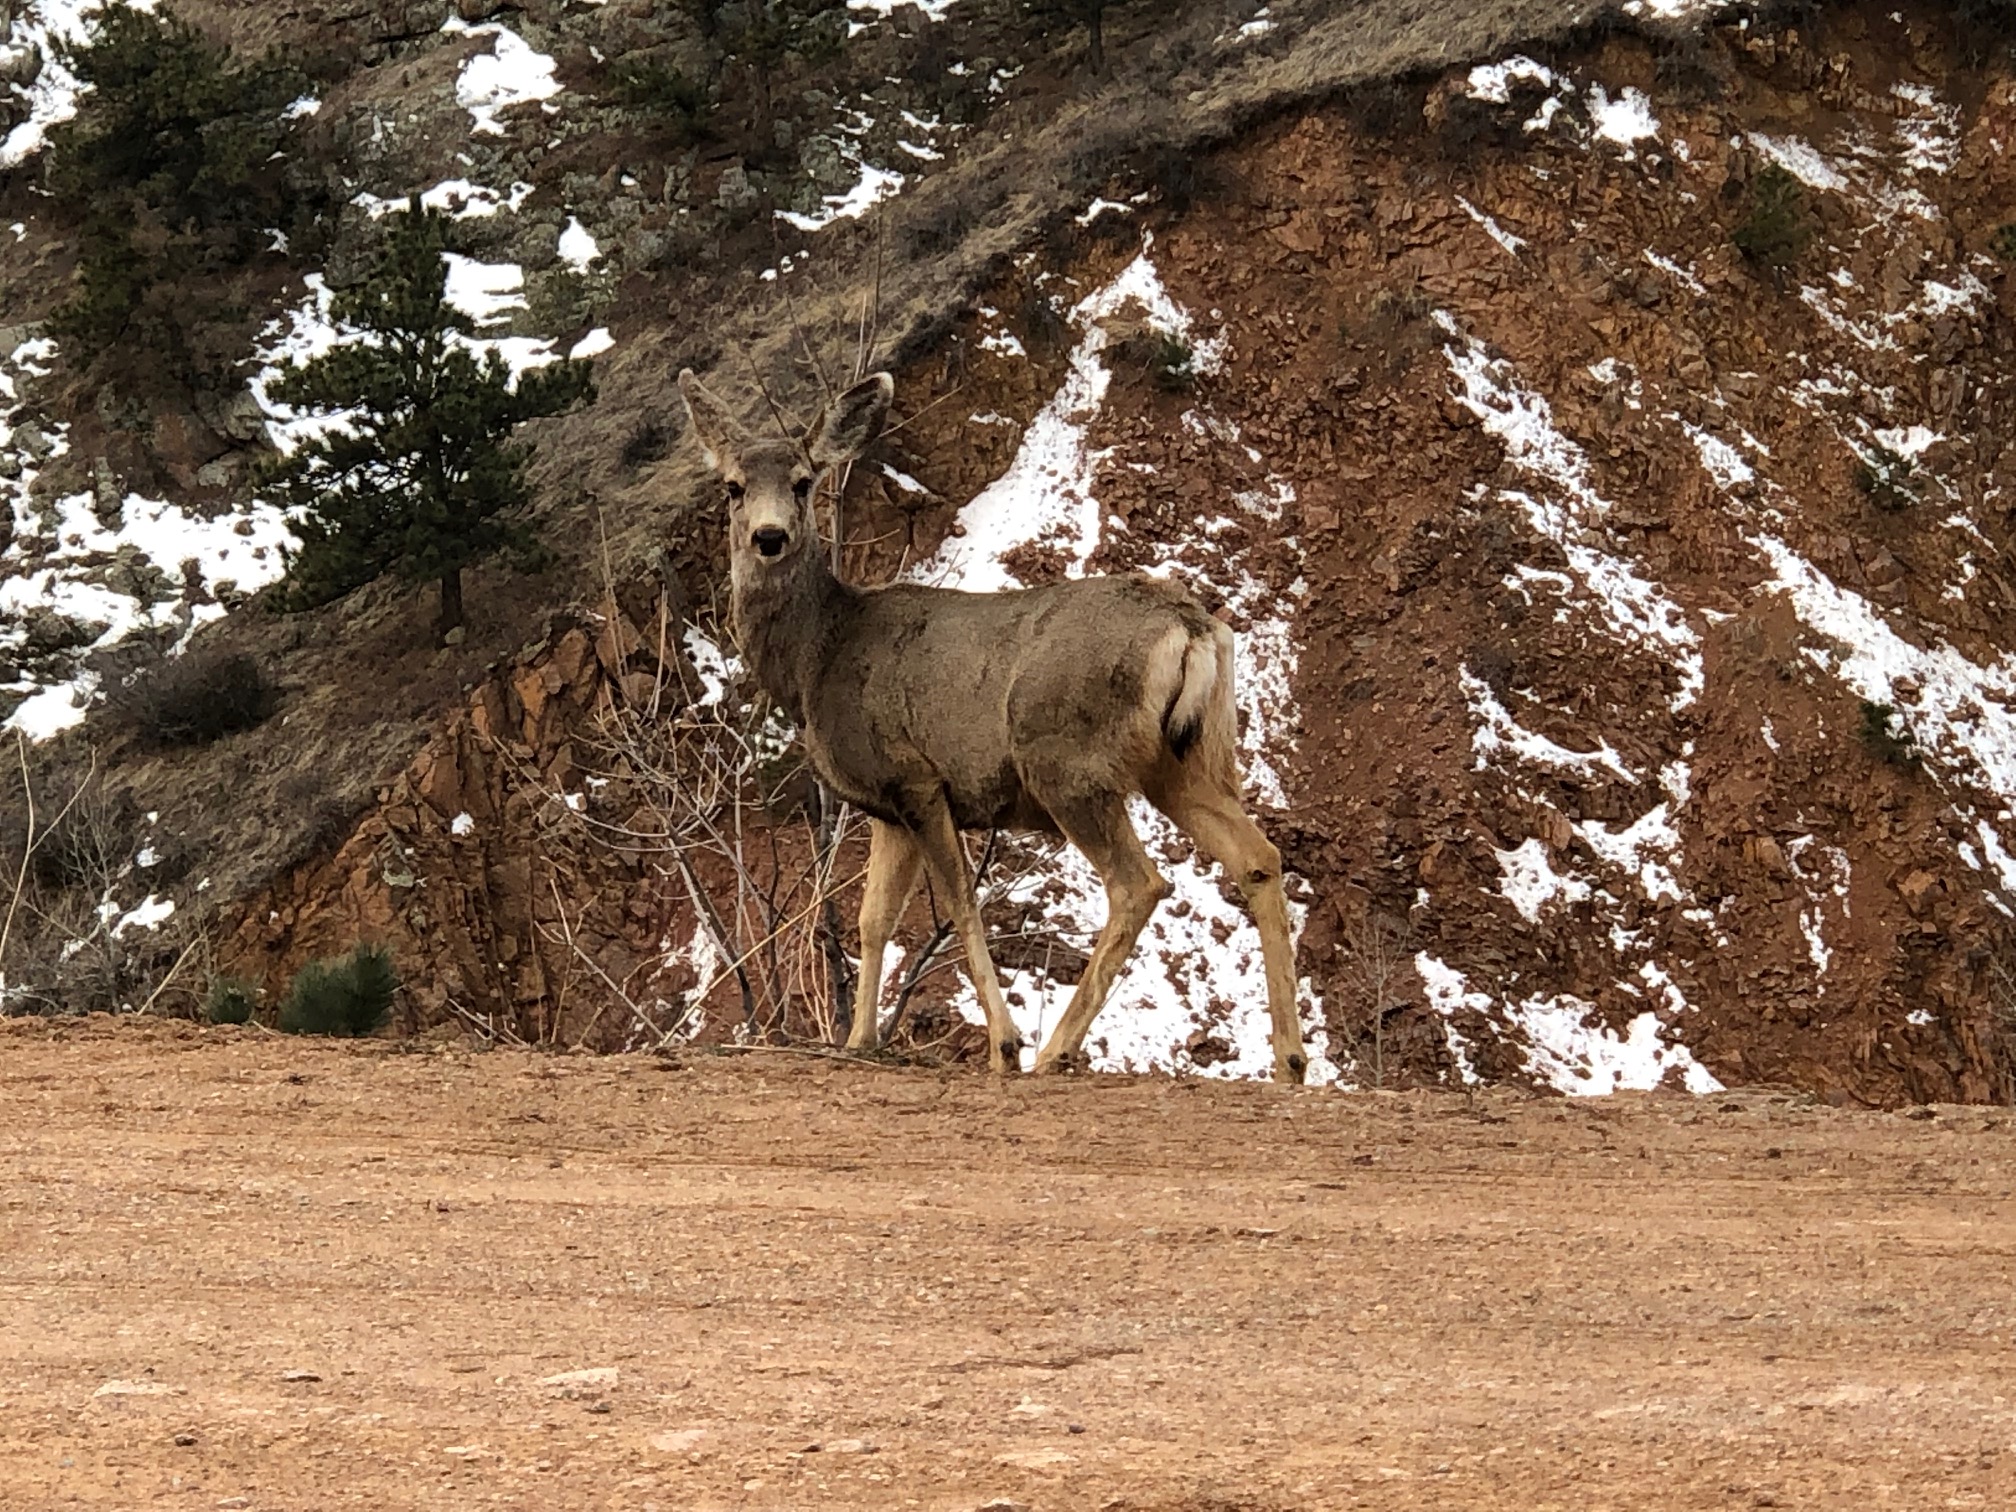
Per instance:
(1060,1064)
(1292,1070)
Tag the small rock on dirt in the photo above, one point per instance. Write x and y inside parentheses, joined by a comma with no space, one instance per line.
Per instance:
(1034,1459)
(600,1375)
(136,1389)
(679,1441)
(299,1375)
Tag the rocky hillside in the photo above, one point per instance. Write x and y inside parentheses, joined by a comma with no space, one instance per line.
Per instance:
(1599,430)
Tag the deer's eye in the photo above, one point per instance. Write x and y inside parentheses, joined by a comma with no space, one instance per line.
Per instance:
(734,490)
(802,488)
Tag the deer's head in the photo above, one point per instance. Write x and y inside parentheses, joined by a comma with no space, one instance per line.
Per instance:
(771,484)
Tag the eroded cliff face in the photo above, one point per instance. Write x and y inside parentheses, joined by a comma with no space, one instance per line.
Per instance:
(1582,565)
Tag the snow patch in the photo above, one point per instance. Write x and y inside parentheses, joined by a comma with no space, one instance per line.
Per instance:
(152,913)
(1802,160)
(710,663)
(1530,882)
(1678,274)
(1625,121)
(1496,232)
(1961,716)
(1929,136)
(1449,994)
(458,198)
(577,246)
(1261,24)
(874,186)
(1723,462)
(197,559)
(1565,1049)
(1591,1060)
(1493,82)
(512,73)
(1572,512)
(1649,847)
(1046,493)
(1498,731)
(933,10)
(41,27)
(486,292)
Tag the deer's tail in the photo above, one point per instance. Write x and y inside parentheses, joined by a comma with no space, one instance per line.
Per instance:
(1201,715)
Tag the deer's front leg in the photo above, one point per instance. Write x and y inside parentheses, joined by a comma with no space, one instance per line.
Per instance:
(939,839)
(894,861)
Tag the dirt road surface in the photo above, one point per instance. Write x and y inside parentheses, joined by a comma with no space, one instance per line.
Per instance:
(243,1271)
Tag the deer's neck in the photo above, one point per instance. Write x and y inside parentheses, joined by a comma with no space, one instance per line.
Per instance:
(784,620)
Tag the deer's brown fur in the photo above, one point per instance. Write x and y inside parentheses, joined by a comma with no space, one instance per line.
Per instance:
(1040,709)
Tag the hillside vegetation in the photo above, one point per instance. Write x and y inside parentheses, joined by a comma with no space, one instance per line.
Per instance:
(1599,425)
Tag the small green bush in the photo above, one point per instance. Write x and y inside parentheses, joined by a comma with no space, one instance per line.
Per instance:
(230,1001)
(1777,224)
(1886,737)
(1173,366)
(1168,360)
(665,94)
(2003,242)
(348,997)
(1888,480)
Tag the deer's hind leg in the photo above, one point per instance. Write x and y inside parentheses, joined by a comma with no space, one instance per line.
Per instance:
(894,861)
(938,840)
(1223,830)
(1101,829)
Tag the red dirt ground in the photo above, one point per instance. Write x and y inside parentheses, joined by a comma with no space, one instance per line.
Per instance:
(242,1271)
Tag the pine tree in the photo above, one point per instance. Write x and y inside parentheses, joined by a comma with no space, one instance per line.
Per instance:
(176,160)
(175,122)
(420,477)
(1090,14)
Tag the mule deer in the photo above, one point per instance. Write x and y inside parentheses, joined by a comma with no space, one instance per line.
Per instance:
(1042,709)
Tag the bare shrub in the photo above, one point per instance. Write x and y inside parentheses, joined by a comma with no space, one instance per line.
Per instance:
(68,940)
(196,698)
(1378,958)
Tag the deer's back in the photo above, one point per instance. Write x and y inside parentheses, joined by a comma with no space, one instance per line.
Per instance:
(925,688)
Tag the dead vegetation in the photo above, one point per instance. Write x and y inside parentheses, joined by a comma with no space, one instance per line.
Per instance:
(77,870)
(1376,967)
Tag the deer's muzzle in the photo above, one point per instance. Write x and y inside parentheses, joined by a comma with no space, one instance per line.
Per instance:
(771,540)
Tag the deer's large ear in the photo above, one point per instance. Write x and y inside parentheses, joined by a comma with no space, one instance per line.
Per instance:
(851,421)
(719,433)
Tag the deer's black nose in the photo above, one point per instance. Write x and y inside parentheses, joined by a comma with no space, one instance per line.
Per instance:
(771,539)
